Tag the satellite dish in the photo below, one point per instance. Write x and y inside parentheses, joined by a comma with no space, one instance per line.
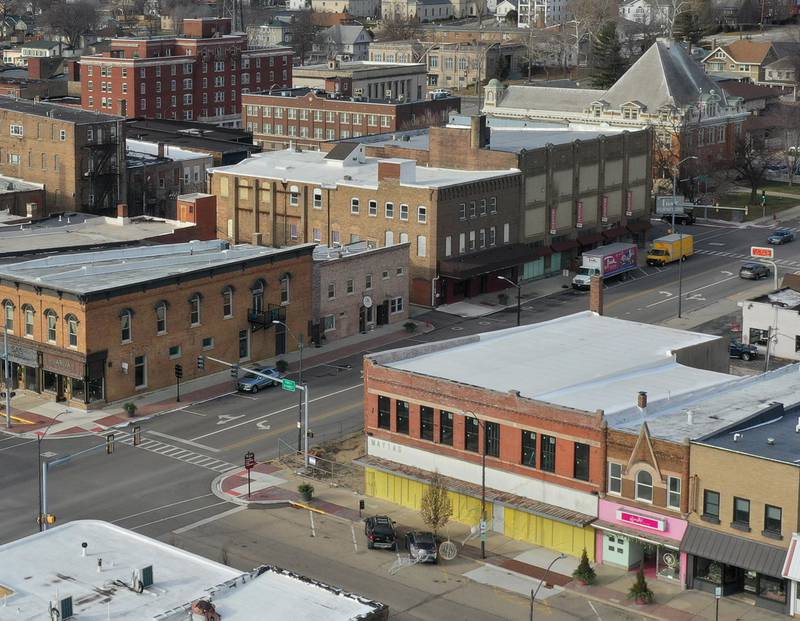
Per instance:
(367,301)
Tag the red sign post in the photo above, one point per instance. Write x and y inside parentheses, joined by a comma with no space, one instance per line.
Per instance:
(249,463)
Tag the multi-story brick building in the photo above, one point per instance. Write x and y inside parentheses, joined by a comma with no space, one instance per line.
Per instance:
(582,188)
(306,117)
(200,74)
(372,80)
(95,327)
(357,288)
(665,89)
(288,197)
(548,436)
(79,156)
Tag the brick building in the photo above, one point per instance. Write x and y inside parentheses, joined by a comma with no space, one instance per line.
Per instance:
(582,187)
(288,197)
(665,89)
(96,327)
(547,435)
(372,80)
(79,156)
(357,288)
(198,75)
(305,117)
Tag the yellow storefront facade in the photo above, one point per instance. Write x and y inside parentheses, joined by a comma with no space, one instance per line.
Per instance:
(517,523)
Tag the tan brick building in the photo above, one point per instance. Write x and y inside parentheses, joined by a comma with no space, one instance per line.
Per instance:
(104,326)
(358,287)
(287,197)
(79,156)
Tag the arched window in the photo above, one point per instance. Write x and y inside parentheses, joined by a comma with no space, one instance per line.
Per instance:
(285,293)
(126,325)
(161,317)
(52,323)
(227,301)
(194,309)
(27,316)
(72,329)
(257,293)
(8,314)
(644,486)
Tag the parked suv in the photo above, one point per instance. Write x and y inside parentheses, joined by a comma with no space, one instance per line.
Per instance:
(742,351)
(754,271)
(380,533)
(422,546)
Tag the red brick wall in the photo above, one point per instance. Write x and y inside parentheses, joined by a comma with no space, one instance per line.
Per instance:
(514,414)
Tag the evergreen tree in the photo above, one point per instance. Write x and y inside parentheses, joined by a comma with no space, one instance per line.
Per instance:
(607,61)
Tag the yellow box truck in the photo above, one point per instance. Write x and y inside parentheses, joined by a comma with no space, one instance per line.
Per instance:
(670,248)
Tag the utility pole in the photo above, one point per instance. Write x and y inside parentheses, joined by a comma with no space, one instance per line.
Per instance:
(7,376)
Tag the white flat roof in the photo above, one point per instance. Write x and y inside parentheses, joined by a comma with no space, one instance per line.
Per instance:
(583,361)
(47,566)
(172,152)
(312,167)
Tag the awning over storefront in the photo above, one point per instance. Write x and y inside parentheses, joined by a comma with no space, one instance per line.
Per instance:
(636,534)
(735,551)
(791,567)
(615,232)
(522,503)
(487,261)
(589,240)
(640,226)
(563,246)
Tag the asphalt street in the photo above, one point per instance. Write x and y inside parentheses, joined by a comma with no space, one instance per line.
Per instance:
(164,484)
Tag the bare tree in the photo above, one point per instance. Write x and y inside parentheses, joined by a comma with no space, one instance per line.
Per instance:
(788,125)
(304,34)
(8,7)
(398,27)
(751,159)
(71,21)
(435,505)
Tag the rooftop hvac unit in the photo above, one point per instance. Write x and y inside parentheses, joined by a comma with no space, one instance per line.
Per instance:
(62,611)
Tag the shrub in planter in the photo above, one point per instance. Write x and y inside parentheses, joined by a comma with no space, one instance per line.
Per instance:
(306,491)
(282,365)
(410,326)
(130,408)
(640,593)
(583,572)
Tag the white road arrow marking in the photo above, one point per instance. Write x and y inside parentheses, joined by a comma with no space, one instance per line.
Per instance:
(262,424)
(665,293)
(726,273)
(224,419)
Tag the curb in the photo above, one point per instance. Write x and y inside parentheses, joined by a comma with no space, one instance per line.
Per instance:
(638,610)
(216,489)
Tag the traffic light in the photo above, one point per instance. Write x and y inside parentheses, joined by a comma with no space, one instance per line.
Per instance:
(201,362)
(235,371)
(178,371)
(110,443)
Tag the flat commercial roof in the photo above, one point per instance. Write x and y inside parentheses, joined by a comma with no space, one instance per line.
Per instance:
(94,272)
(583,361)
(170,151)
(69,114)
(49,566)
(76,231)
(315,167)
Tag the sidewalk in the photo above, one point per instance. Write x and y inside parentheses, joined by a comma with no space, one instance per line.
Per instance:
(512,565)
(32,413)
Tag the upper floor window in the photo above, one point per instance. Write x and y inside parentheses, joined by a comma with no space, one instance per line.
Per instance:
(227,302)
(614,478)
(644,486)
(285,285)
(674,492)
(27,314)
(711,505)
(294,196)
(581,465)
(52,324)
(772,519)
(8,315)
(471,434)
(72,330)
(317,198)
(741,512)
(491,439)
(354,206)
(194,310)
(161,318)
(257,296)
(548,449)
(125,325)
(422,214)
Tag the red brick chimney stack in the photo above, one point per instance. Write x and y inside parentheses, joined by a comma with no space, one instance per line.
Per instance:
(596,295)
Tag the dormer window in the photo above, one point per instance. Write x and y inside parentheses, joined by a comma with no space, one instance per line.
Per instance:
(630,113)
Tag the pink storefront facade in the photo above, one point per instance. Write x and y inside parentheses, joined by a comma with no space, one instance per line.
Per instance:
(631,537)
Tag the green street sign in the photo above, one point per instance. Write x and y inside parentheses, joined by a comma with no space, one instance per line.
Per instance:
(289,385)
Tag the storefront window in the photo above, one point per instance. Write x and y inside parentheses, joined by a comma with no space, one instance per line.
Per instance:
(669,563)
(50,381)
(772,588)
(78,389)
(708,570)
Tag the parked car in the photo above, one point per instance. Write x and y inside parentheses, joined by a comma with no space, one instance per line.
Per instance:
(379,530)
(422,546)
(754,271)
(254,383)
(742,351)
(781,236)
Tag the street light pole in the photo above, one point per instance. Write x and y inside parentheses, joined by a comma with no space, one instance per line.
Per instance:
(300,381)
(680,237)
(541,582)
(519,296)
(7,374)
(42,491)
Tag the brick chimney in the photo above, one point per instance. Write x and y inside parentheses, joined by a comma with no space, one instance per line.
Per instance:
(35,68)
(479,132)
(596,295)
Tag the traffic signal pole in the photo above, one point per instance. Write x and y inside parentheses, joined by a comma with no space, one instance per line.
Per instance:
(8,377)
